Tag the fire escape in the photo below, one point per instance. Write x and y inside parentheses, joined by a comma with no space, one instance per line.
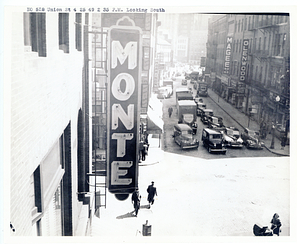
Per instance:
(99,66)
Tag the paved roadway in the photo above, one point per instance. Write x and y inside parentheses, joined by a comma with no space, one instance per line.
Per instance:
(170,146)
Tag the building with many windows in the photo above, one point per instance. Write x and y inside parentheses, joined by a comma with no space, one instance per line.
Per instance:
(49,146)
(248,61)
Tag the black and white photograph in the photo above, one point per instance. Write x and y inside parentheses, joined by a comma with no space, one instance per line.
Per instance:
(149,123)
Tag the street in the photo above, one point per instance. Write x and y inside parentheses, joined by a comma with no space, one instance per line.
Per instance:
(170,146)
(200,198)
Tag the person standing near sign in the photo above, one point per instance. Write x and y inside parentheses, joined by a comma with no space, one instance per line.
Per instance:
(136,199)
(151,193)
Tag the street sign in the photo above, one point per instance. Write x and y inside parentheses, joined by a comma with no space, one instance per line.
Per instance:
(124,51)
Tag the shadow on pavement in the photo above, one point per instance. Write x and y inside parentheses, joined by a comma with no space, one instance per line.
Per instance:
(127,215)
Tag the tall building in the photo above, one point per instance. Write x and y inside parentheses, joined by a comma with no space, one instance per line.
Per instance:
(248,60)
(50,120)
(188,34)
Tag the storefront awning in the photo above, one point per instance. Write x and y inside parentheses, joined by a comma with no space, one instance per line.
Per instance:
(155,124)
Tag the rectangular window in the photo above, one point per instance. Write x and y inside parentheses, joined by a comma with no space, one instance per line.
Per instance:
(63,28)
(78,32)
(37,189)
(259,44)
(35,32)
(249,27)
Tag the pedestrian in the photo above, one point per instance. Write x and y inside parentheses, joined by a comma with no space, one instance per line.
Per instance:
(151,193)
(276,224)
(136,200)
(170,111)
(283,141)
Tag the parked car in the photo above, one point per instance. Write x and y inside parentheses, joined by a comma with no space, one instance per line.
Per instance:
(184,82)
(204,114)
(200,107)
(184,136)
(213,141)
(232,137)
(198,99)
(215,121)
(251,139)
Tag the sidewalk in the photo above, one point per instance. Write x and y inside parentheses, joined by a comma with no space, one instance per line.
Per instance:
(242,119)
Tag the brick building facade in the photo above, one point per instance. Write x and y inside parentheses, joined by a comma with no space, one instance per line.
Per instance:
(50,128)
(248,61)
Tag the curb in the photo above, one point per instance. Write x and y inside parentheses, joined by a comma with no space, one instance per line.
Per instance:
(279,154)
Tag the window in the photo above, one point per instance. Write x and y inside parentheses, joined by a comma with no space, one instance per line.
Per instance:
(242,27)
(78,32)
(283,44)
(259,44)
(249,27)
(246,24)
(37,189)
(63,28)
(35,32)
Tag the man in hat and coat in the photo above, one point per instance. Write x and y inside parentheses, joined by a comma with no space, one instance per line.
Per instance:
(151,193)
(136,199)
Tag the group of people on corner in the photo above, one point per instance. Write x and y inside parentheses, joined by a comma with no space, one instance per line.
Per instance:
(136,198)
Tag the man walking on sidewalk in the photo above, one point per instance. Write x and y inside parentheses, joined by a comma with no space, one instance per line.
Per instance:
(136,199)
(151,193)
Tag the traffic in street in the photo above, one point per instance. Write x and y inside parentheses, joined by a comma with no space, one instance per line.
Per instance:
(169,144)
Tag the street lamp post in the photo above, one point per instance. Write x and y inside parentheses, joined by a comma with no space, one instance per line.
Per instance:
(273,125)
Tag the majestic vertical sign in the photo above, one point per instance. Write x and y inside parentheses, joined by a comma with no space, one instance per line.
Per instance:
(228,50)
(244,60)
(124,51)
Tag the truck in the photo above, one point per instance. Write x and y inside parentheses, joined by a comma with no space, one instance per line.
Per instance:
(164,92)
(202,89)
(187,110)
(180,90)
(168,83)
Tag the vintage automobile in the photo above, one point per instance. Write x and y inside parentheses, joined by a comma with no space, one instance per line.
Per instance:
(184,136)
(204,114)
(232,137)
(213,141)
(200,107)
(198,99)
(215,122)
(251,139)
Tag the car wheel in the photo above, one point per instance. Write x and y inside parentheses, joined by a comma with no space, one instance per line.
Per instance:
(209,149)
(224,152)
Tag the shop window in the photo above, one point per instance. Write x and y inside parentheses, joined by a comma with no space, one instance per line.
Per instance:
(63,29)
(34,25)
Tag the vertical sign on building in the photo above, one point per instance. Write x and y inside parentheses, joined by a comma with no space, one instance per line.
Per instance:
(244,60)
(228,51)
(124,51)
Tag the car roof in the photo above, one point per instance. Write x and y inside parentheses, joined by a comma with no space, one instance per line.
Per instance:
(210,131)
(183,127)
(186,102)
(183,89)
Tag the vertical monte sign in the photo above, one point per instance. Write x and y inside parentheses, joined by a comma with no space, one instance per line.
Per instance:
(124,58)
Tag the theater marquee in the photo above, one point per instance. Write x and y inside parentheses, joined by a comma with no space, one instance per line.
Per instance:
(124,55)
